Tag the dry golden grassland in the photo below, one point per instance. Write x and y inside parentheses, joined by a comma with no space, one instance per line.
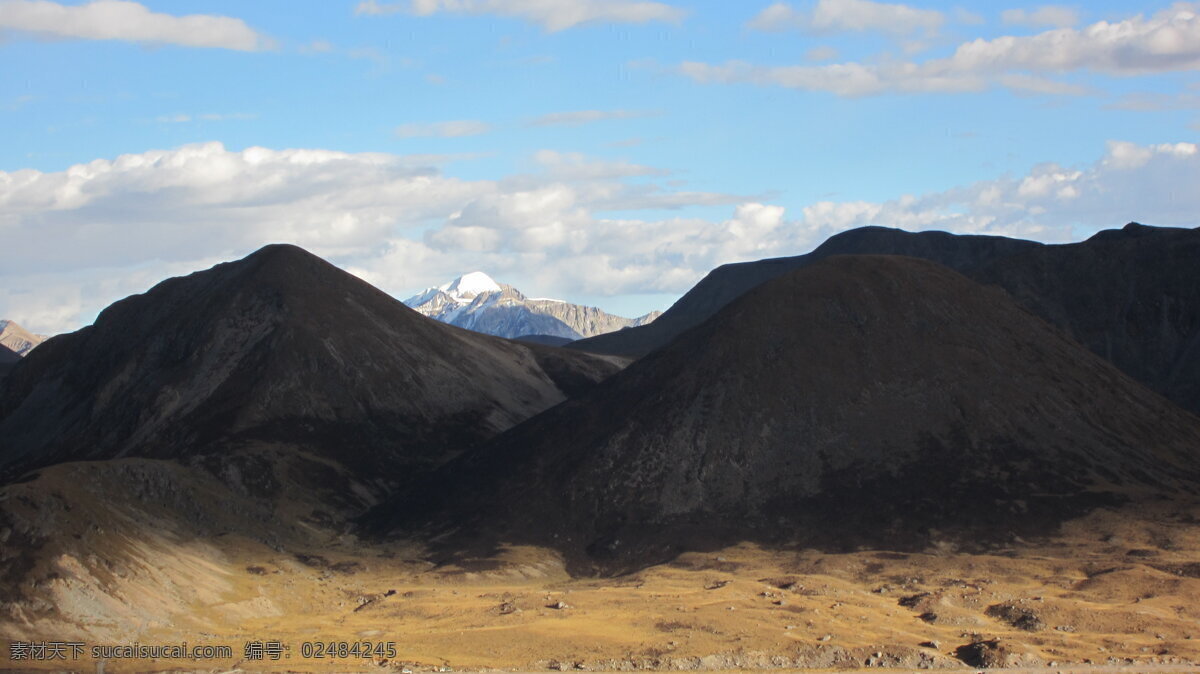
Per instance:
(1116,588)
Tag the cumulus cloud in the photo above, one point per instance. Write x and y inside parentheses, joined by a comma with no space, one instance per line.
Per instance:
(1165,42)
(81,238)
(1053,16)
(129,21)
(552,15)
(833,16)
(452,129)
(78,239)
(1051,202)
(580,117)
(171,204)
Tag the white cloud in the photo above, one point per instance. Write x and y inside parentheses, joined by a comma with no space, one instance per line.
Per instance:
(452,129)
(171,205)
(1146,101)
(1021,83)
(184,118)
(1052,16)
(842,79)
(318,47)
(967,17)
(129,21)
(570,166)
(84,237)
(777,17)
(1051,202)
(821,53)
(1168,41)
(552,15)
(580,117)
(78,239)
(831,16)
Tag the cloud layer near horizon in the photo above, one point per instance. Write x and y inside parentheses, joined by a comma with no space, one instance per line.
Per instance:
(76,240)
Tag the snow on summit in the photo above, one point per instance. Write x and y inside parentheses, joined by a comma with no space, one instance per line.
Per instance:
(475,301)
(469,285)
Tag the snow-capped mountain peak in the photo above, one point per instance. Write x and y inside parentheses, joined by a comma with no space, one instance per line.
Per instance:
(477,302)
(470,285)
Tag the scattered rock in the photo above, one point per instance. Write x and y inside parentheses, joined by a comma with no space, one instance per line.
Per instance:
(1018,616)
(315,561)
(983,654)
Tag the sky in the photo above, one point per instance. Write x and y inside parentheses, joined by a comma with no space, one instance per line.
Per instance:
(607,152)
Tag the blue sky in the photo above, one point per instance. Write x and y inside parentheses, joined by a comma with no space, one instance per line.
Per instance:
(607,152)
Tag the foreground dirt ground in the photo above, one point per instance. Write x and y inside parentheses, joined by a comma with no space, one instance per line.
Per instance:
(1114,591)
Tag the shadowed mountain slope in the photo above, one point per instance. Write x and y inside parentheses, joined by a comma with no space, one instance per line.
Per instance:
(546,340)
(8,358)
(1130,295)
(278,348)
(870,400)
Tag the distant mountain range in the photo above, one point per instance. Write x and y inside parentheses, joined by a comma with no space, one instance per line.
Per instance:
(476,302)
(18,339)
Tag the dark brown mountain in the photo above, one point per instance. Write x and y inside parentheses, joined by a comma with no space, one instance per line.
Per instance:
(861,400)
(545,340)
(8,358)
(728,282)
(1130,295)
(278,350)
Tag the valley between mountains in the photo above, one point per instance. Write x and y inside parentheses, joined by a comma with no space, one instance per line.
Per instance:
(902,450)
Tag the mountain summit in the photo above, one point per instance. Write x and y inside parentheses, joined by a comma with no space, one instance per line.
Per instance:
(1131,295)
(477,302)
(468,286)
(278,349)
